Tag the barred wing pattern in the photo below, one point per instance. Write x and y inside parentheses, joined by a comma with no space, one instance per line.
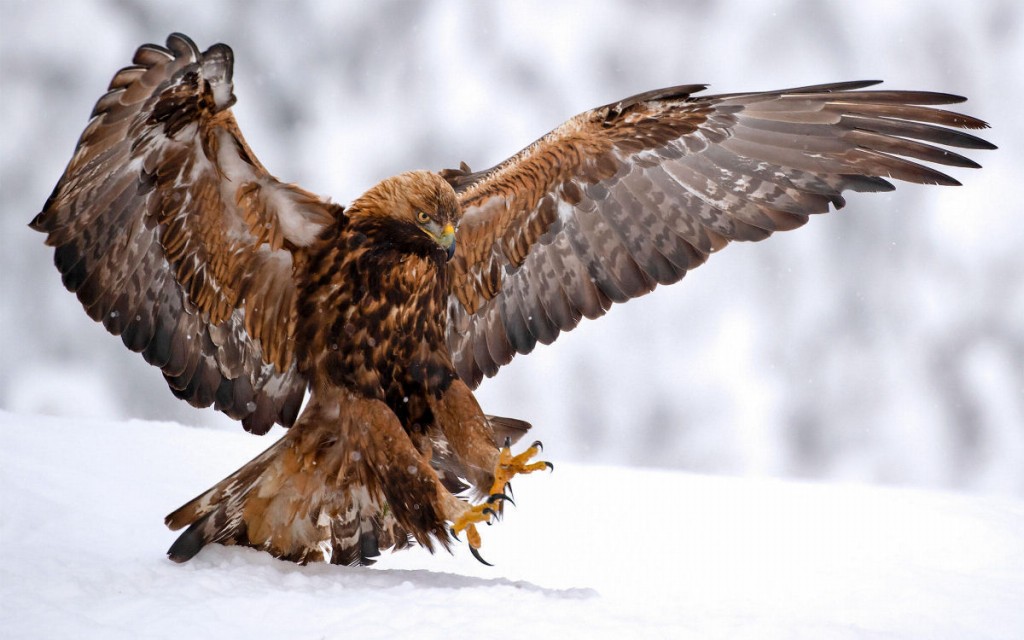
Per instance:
(634,194)
(175,237)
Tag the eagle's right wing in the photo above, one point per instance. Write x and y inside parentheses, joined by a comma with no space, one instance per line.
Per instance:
(174,236)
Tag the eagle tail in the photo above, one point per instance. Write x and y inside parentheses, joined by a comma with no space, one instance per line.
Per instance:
(308,498)
(336,488)
(216,515)
(188,544)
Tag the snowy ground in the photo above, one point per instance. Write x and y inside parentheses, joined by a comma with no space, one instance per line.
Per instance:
(590,552)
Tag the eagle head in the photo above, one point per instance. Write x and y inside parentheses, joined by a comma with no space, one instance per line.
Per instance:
(420,203)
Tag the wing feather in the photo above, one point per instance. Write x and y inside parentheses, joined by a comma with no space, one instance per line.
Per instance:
(175,237)
(633,194)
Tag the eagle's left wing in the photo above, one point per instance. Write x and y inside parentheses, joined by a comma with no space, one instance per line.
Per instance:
(634,194)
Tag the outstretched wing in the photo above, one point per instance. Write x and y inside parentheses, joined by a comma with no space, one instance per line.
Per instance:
(634,194)
(175,237)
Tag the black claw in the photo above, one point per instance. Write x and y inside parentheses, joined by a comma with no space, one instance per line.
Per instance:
(508,490)
(550,466)
(538,445)
(490,511)
(476,554)
(491,499)
(454,535)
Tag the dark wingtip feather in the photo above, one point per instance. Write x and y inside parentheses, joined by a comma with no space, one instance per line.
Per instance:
(862,184)
(832,87)
(256,424)
(181,44)
(981,143)
(37,223)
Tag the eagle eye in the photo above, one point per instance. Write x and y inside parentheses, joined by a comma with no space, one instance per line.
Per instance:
(423,217)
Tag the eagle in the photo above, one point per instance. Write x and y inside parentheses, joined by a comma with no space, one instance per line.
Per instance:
(248,292)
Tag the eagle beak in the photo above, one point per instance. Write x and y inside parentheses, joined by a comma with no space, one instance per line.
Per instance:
(447,240)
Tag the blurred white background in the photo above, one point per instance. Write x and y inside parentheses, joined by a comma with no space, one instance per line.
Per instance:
(881,344)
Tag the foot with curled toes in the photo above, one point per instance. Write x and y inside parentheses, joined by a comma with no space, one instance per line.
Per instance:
(508,466)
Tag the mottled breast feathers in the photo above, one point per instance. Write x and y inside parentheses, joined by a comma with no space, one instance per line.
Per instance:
(373,304)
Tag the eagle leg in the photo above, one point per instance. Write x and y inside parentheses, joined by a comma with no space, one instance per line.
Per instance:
(507,467)
(488,467)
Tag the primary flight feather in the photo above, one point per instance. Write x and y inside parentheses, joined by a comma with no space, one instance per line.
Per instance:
(248,292)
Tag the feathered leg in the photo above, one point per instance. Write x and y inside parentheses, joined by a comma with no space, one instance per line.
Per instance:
(471,436)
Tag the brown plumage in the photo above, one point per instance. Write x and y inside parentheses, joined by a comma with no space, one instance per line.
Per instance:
(247,292)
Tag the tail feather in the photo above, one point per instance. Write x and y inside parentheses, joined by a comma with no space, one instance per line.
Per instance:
(300,500)
(344,483)
(510,428)
(191,541)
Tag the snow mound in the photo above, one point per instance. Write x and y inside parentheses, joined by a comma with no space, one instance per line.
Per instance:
(598,552)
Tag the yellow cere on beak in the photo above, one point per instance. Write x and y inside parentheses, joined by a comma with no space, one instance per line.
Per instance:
(447,240)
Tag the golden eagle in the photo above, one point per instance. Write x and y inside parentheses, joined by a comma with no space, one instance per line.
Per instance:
(247,292)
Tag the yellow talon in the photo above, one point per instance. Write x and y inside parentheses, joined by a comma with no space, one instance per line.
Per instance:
(508,466)
(467,522)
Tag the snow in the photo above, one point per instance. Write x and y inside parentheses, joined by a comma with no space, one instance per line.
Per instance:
(600,552)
